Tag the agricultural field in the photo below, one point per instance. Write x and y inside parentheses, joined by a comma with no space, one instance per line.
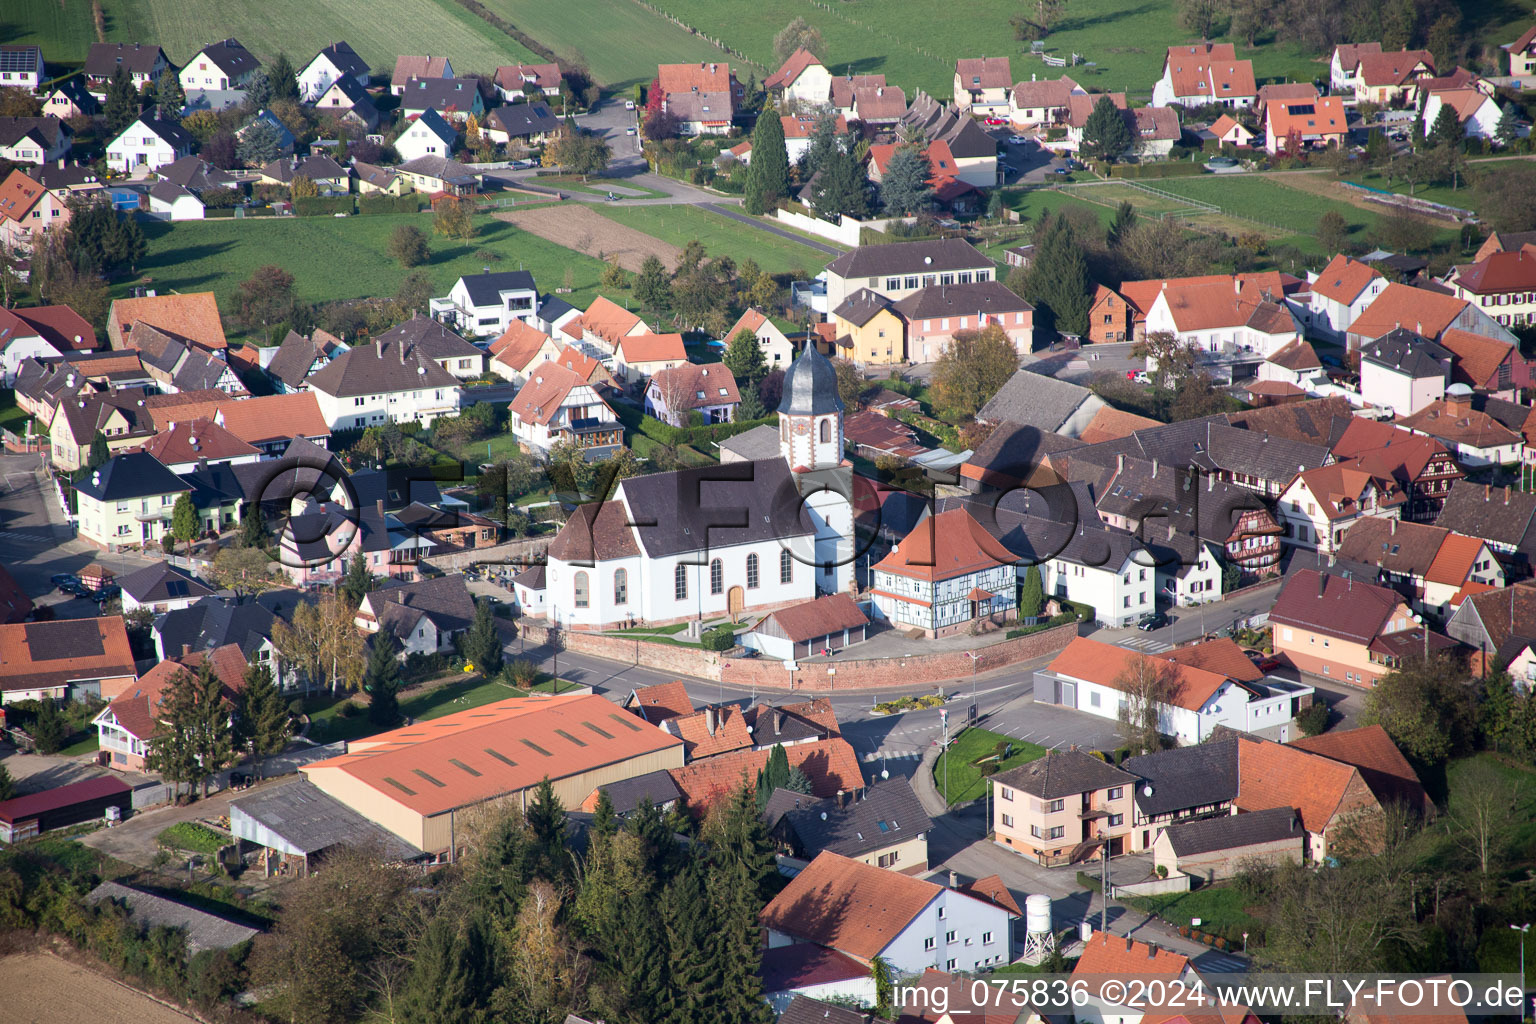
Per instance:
(43,989)
(63,30)
(581,227)
(621,41)
(678,224)
(379,32)
(345,257)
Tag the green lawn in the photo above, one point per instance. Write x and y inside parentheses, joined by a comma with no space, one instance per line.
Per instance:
(957,764)
(85,743)
(621,41)
(344,257)
(189,835)
(445,700)
(379,30)
(680,224)
(1030,203)
(63,30)
(11,418)
(1219,909)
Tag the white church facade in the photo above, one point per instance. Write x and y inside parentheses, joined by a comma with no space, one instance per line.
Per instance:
(735,539)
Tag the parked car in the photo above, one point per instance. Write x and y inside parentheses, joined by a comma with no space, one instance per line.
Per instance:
(629,104)
(1141,377)
(65,581)
(997,120)
(1270,664)
(1017,140)
(1076,165)
(629,131)
(1156,620)
(1061,171)
(107,593)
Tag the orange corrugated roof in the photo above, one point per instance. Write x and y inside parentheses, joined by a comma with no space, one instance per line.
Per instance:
(1097,662)
(949,544)
(1343,279)
(1275,775)
(193,315)
(1454,561)
(849,906)
(436,766)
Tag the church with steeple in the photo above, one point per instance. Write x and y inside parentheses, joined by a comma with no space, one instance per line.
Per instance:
(735,540)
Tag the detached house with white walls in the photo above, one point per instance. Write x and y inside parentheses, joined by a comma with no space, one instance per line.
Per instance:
(223,65)
(325,68)
(947,575)
(1345,64)
(428,135)
(151,143)
(1403,372)
(982,85)
(801,79)
(556,405)
(1198,74)
(438,344)
(387,382)
(488,303)
(1234,323)
(777,350)
(1319,506)
(1340,292)
(673,395)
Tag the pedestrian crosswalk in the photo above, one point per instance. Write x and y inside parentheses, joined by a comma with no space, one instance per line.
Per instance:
(894,755)
(1145,643)
(1220,963)
(23,538)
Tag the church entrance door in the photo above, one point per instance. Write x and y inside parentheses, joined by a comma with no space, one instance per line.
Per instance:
(735,601)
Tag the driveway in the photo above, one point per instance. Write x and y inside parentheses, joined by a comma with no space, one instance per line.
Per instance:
(34,773)
(133,841)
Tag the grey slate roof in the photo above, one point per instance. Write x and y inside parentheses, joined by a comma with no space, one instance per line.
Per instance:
(170,132)
(432,338)
(716,506)
(1015,449)
(448,170)
(147,910)
(1403,351)
(861,307)
(1033,399)
(1063,773)
(929,257)
(758,443)
(133,475)
(439,94)
(162,582)
(1185,777)
(810,386)
(343,58)
(626,794)
(1494,514)
(961,300)
(486,289)
(293,359)
(232,58)
(315,168)
(135,58)
(888,813)
(521,119)
(309,820)
(379,369)
(195,173)
(212,622)
(445,600)
(1234,831)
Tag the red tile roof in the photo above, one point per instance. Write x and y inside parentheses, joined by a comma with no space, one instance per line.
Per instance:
(1211,70)
(1478,358)
(1509,271)
(192,315)
(15,605)
(992,889)
(849,906)
(1340,489)
(984,73)
(542,397)
(1307,118)
(1418,309)
(518,345)
(606,319)
(791,69)
(1383,767)
(1105,664)
(831,765)
(1276,775)
(658,703)
(190,440)
(1222,656)
(1455,559)
(60,326)
(944,546)
(18,194)
(693,386)
(710,731)
(1343,279)
(1111,424)
(1121,956)
(832,613)
(42,655)
(803,126)
(1395,68)
(712,76)
(651,348)
(136,708)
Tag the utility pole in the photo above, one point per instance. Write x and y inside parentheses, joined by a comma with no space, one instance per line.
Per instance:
(1104,893)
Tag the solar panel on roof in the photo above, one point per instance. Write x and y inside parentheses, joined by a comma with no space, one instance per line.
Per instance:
(58,641)
(176,588)
(18,60)
(407,790)
(503,758)
(573,739)
(439,785)
(535,746)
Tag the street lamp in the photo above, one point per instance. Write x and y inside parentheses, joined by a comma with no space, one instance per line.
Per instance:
(1245,943)
(1522,929)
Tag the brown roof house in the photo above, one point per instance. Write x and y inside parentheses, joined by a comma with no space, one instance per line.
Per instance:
(191,317)
(1329,626)
(424,616)
(1063,808)
(673,395)
(65,658)
(829,623)
(1323,792)
(982,85)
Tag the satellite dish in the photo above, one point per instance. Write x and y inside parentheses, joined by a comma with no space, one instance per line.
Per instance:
(1146,790)
(823,815)
(885,773)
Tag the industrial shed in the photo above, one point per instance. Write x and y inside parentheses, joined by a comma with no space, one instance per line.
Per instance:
(25,816)
(417,781)
(296,824)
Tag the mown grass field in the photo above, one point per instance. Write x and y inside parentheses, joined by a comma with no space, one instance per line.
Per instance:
(621,41)
(344,257)
(678,224)
(379,31)
(956,773)
(63,30)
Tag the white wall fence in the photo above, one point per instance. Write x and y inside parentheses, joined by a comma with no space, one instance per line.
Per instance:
(845,231)
(1152,887)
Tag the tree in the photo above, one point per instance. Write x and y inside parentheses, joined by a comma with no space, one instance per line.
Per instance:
(544,969)
(99,239)
(259,143)
(170,98)
(1446,129)
(1172,361)
(222,150)
(265,723)
(482,644)
(579,152)
(797,35)
(1201,16)
(651,285)
(303,187)
(7,784)
(841,189)
(1426,707)
(122,105)
(358,581)
(1250,17)
(768,174)
(184,520)
(1403,232)
(1037,24)
(266,297)
(1443,40)
(1124,223)
(660,124)
(824,142)
(414,291)
(883,975)
(253,526)
(1105,134)
(280,75)
(744,358)
(1031,594)
(971,369)
(1506,197)
(1507,131)
(99,453)
(1332,231)
(247,571)
(383,680)
(773,775)
(605,820)
(1058,280)
(1148,684)
(904,188)
(193,738)
(454,221)
(453,973)
(850,383)
(613,277)
(49,730)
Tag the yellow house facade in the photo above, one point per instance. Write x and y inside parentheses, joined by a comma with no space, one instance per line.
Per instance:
(878,333)
(127,502)
(74,427)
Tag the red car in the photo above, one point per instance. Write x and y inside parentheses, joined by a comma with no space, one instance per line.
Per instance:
(997,120)
(1270,664)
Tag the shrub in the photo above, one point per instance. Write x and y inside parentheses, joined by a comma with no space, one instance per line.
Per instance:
(1314,719)
(189,835)
(1220,943)
(521,673)
(1089,882)
(1162,871)
(1184,930)
(351,709)
(721,638)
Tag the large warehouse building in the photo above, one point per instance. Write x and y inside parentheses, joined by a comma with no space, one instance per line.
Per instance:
(417,781)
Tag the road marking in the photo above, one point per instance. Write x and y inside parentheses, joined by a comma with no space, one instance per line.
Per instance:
(28,477)
(1147,644)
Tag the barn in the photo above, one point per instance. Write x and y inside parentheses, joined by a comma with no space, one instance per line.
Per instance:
(826,624)
(23,817)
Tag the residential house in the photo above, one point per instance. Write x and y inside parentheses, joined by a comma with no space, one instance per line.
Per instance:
(1391,79)
(672,395)
(1080,108)
(318,544)
(517,82)
(1473,436)
(1428,313)
(191,316)
(407,68)
(348,102)
(843,88)
(450,529)
(1325,793)
(657,703)
(1429,565)
(1203,73)
(1320,505)
(1333,626)
(1501,516)
(885,827)
(934,315)
(1320,123)
(703,97)
(865,912)
(1184,783)
(556,405)
(21,66)
(1062,808)
(879,104)
(126,502)
(1338,295)
(387,382)
(26,210)
(126,727)
(66,659)
(519,349)
(982,85)
(876,332)
(489,303)
(1522,54)
(638,356)
(901,268)
(222,65)
(1204,692)
(436,175)
(210,623)
(801,79)
(457,99)
(529,589)
(1041,102)
(777,350)
(949,191)
(528,123)
(34,140)
(1106,955)
(1499,625)
(1296,364)
(972,151)
(270,422)
(437,343)
(1344,65)
(947,575)
(1218,848)
(1502,284)
(1403,372)
(799,130)
(149,143)
(1046,403)
(186,445)
(427,135)
(41,332)
(332,64)
(373,179)
(177,365)
(1234,324)
(1476,111)
(161,588)
(597,331)
(196,174)
(144,63)
(424,616)
(1110,318)
(1154,133)
(118,416)
(327,175)
(1227,131)
(298,357)
(829,623)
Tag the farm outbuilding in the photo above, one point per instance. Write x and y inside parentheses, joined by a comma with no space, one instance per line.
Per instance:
(828,623)
(25,816)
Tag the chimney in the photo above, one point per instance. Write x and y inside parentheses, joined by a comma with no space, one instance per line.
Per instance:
(1485,492)
(378,506)
(1322,584)
(1130,943)
(1237,286)
(186,649)
(1120,463)
(1151,951)
(778,722)
(1506,494)
(1154,469)
(1210,482)
(1392,529)
(954,880)
(709,720)
(378,350)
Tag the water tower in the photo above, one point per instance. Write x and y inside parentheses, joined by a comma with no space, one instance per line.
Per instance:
(1039,940)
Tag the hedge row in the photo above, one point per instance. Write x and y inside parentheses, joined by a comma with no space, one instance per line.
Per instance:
(672,436)
(324,206)
(378,202)
(1172,169)
(1052,622)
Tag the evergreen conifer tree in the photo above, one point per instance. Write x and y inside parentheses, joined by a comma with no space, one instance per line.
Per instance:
(1031,594)
(768,173)
(1058,280)
(383,679)
(265,723)
(122,106)
(482,644)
